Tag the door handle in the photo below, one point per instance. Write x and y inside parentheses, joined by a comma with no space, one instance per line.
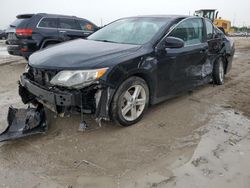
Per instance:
(63,31)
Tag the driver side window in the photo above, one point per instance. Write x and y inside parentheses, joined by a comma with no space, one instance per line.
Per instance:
(190,31)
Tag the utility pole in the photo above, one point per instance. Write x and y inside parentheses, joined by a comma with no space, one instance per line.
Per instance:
(234,19)
(101,22)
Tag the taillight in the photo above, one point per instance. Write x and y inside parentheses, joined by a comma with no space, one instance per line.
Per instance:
(24,32)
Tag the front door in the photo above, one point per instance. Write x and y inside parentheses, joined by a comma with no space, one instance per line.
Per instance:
(179,69)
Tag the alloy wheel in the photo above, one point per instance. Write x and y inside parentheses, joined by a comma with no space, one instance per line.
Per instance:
(133,102)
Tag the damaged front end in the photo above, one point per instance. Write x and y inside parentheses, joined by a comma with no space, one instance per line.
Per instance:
(35,89)
(24,122)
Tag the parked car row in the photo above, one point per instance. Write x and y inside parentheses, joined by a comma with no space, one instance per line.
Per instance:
(240,34)
(32,32)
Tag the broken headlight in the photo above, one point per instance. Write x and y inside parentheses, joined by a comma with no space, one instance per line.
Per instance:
(77,79)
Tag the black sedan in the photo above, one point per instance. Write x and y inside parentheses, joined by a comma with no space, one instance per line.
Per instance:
(126,66)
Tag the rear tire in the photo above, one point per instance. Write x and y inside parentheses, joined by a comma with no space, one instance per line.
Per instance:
(130,101)
(219,72)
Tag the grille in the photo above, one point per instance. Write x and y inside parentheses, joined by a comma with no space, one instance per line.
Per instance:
(42,77)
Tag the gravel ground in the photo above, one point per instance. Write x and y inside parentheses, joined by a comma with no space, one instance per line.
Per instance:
(199,139)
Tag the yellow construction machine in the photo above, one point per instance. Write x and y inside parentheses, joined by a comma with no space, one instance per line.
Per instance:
(212,14)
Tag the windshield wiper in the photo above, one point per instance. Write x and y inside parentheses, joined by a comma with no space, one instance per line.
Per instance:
(106,41)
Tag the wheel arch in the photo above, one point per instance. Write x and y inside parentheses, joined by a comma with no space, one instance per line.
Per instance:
(48,41)
(148,81)
(143,75)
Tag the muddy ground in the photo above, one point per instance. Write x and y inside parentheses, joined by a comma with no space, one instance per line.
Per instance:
(199,139)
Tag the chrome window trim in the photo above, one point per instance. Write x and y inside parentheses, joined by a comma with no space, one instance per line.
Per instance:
(62,29)
(37,26)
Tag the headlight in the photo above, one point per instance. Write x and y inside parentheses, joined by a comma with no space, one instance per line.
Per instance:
(77,79)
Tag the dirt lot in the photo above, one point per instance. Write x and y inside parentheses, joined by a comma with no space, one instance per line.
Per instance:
(199,139)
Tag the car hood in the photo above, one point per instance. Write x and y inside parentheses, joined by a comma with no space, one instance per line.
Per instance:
(80,53)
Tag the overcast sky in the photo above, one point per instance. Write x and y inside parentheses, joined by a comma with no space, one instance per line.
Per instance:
(238,11)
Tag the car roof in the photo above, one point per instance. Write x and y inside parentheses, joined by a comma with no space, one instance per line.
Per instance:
(161,16)
(46,15)
(206,10)
(56,15)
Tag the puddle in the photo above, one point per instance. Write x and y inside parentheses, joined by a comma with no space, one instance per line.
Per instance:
(222,155)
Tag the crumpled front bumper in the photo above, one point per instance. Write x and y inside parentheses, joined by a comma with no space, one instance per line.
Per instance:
(95,99)
(50,98)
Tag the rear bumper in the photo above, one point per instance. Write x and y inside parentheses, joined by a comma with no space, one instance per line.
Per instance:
(19,50)
(14,50)
(21,47)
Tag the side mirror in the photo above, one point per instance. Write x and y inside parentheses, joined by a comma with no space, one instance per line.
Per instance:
(173,42)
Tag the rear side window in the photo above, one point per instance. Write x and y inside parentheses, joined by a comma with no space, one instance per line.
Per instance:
(66,23)
(210,29)
(48,23)
(190,31)
(86,26)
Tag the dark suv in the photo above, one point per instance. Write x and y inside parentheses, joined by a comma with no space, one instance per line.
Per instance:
(31,32)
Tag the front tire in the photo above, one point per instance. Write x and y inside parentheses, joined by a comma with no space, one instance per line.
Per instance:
(130,101)
(219,72)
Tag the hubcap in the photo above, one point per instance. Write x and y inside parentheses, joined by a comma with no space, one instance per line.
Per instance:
(221,71)
(133,102)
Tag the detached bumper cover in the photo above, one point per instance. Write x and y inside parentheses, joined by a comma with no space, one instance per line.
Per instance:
(24,122)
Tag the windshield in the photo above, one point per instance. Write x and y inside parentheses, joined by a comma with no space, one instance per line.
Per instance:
(130,31)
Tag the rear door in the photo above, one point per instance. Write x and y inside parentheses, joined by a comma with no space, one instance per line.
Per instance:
(180,69)
(69,29)
(46,30)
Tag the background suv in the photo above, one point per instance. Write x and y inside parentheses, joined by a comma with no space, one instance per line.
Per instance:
(3,35)
(31,32)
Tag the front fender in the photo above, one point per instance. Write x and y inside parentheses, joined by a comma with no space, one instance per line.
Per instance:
(144,67)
